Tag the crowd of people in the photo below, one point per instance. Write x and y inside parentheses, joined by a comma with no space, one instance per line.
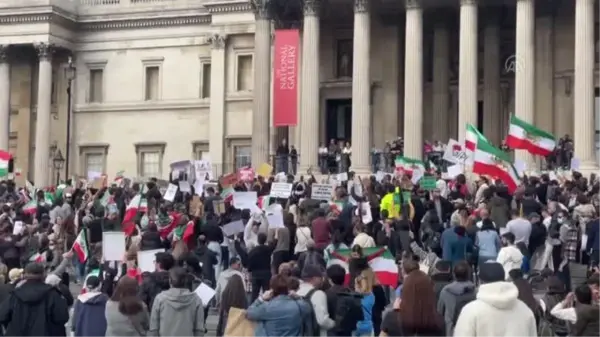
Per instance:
(467,254)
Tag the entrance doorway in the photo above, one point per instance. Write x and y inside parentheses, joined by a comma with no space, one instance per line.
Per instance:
(480,116)
(338,120)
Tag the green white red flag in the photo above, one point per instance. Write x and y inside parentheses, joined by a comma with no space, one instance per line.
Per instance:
(380,260)
(491,161)
(4,160)
(525,136)
(408,165)
(38,257)
(471,137)
(184,232)
(80,246)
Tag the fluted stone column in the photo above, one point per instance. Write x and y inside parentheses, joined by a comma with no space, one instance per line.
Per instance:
(217,102)
(309,87)
(262,84)
(525,69)
(584,86)
(413,81)
(467,64)
(441,80)
(42,128)
(491,79)
(361,88)
(4,98)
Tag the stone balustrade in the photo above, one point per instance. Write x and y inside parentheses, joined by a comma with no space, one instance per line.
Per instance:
(101,7)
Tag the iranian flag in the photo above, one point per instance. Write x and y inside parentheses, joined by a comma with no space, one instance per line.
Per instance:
(491,161)
(4,160)
(525,136)
(184,233)
(39,258)
(137,204)
(119,178)
(408,165)
(471,138)
(264,202)
(80,246)
(30,207)
(380,260)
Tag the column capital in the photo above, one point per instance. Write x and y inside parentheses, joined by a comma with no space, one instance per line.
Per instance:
(468,2)
(261,9)
(312,7)
(217,41)
(44,51)
(412,4)
(361,6)
(4,53)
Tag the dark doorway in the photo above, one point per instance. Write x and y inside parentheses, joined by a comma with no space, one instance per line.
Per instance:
(480,116)
(338,120)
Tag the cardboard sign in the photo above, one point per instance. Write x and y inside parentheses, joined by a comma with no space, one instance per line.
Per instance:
(455,152)
(264,170)
(322,191)
(229,179)
(195,206)
(219,206)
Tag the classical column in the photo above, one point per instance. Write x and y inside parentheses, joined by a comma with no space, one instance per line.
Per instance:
(42,158)
(309,86)
(4,98)
(262,84)
(217,102)
(413,81)
(491,79)
(525,69)
(584,86)
(467,64)
(441,80)
(361,88)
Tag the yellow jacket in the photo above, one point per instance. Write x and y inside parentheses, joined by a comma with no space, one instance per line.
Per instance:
(395,209)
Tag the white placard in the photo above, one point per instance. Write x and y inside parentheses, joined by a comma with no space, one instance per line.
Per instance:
(455,152)
(321,192)
(233,228)
(245,200)
(19,227)
(380,175)
(455,170)
(281,190)
(202,168)
(113,246)
(275,216)
(170,192)
(366,215)
(416,176)
(146,258)
(342,176)
(205,293)
(184,186)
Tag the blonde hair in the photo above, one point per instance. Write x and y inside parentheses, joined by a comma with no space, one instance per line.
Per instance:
(365,281)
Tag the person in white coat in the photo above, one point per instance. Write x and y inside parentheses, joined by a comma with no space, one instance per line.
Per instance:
(509,256)
(496,311)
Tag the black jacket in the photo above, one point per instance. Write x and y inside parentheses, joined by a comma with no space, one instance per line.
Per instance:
(34,309)
(151,240)
(259,258)
(152,284)
(208,259)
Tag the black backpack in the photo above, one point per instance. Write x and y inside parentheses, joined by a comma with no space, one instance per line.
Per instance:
(310,326)
(462,300)
(348,311)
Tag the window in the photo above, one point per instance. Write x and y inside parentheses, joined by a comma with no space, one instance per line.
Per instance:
(201,151)
(344,58)
(152,82)
(96,85)
(205,78)
(244,73)
(93,158)
(150,159)
(242,156)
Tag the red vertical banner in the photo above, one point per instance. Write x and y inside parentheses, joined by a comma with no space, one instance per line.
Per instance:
(285,77)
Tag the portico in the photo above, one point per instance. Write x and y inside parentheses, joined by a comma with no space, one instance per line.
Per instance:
(424,69)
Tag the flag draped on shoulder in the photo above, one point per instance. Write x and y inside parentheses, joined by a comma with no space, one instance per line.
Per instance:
(525,136)
(408,165)
(184,232)
(80,246)
(491,161)
(380,260)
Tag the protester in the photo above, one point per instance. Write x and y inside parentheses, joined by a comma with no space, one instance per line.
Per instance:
(233,296)
(157,281)
(126,315)
(456,295)
(89,309)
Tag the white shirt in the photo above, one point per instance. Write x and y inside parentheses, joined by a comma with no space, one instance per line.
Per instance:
(347,150)
(566,314)
(521,228)
(323,150)
(303,235)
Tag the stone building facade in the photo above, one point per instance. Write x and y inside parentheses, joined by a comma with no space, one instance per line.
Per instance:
(159,81)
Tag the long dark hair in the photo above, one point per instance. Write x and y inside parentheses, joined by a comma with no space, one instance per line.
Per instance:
(126,295)
(234,294)
(418,309)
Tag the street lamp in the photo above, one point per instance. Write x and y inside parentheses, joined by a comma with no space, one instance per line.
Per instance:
(70,72)
(58,162)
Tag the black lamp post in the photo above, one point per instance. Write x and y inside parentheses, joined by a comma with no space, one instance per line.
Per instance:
(58,162)
(70,72)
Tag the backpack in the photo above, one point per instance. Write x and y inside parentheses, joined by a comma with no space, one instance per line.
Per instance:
(348,311)
(310,326)
(461,301)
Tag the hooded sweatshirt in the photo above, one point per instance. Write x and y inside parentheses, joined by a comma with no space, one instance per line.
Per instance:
(177,312)
(510,257)
(448,300)
(88,314)
(491,312)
